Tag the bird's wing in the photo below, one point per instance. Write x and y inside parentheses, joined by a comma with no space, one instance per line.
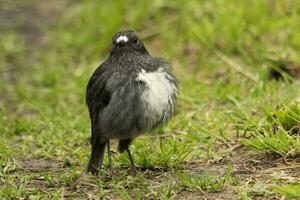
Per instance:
(97,97)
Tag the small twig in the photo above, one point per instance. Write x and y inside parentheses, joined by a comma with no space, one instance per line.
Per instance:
(235,147)
(180,132)
(160,136)
(224,141)
(281,168)
(235,66)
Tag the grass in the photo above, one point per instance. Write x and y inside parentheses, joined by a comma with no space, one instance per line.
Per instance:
(206,182)
(230,112)
(291,191)
(280,134)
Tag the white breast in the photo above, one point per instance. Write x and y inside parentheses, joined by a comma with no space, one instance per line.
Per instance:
(159,93)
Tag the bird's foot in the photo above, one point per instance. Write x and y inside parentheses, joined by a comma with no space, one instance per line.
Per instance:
(111,172)
(132,171)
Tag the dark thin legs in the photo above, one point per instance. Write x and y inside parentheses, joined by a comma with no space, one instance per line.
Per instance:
(96,159)
(130,157)
(109,156)
(133,168)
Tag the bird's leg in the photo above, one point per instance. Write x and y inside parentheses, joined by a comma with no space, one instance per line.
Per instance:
(109,157)
(133,168)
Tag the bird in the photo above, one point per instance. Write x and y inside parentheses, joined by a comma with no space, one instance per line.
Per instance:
(129,94)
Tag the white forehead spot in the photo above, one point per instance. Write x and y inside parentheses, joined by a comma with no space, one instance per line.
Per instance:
(122,38)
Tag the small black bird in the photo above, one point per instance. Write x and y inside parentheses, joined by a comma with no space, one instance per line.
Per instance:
(129,94)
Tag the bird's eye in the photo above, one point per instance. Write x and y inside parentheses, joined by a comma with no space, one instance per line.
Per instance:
(135,40)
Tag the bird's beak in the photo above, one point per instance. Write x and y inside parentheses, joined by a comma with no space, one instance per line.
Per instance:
(122,39)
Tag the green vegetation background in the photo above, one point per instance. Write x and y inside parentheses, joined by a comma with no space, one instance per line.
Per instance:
(221,52)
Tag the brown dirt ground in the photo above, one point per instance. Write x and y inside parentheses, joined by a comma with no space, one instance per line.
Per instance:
(249,168)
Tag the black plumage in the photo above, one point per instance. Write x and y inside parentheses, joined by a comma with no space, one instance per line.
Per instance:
(129,94)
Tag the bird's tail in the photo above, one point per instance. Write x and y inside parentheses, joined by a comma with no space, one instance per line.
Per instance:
(97,154)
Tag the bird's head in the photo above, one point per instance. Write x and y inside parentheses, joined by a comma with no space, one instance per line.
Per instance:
(127,41)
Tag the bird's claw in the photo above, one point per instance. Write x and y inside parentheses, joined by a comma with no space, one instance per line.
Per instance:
(132,171)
